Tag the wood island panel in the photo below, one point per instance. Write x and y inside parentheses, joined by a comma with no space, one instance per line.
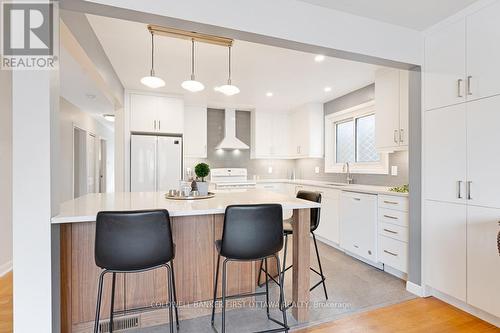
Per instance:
(194,264)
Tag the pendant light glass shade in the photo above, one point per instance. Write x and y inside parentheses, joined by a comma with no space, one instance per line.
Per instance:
(152,81)
(228,89)
(192,85)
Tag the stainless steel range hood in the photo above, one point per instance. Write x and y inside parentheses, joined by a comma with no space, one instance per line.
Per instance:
(230,140)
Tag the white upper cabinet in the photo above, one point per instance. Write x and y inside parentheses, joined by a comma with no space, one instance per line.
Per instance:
(445,154)
(483,52)
(483,261)
(170,115)
(270,135)
(391,107)
(143,113)
(445,78)
(195,131)
(307,127)
(156,114)
(461,60)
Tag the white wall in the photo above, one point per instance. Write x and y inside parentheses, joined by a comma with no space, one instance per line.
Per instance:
(69,116)
(286,19)
(5,172)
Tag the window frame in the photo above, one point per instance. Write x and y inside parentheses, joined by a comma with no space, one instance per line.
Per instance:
(380,167)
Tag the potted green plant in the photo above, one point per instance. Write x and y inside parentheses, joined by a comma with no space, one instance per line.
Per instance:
(202,170)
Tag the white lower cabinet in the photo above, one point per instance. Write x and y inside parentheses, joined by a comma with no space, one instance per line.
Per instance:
(393,234)
(393,253)
(329,218)
(483,259)
(358,224)
(445,246)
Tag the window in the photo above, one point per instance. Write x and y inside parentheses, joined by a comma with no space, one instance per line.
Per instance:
(350,137)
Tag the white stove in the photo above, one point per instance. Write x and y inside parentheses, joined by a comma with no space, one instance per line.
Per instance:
(230,179)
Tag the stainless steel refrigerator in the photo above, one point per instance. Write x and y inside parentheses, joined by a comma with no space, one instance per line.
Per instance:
(155,163)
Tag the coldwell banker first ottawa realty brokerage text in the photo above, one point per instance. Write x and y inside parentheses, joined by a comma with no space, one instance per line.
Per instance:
(28,36)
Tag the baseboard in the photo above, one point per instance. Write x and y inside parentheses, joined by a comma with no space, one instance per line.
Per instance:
(415,289)
(5,268)
(494,320)
(329,242)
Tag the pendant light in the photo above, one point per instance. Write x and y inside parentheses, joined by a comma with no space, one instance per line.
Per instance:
(152,81)
(192,85)
(228,89)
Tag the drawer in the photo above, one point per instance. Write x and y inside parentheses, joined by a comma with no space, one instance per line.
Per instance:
(393,231)
(393,202)
(393,216)
(393,253)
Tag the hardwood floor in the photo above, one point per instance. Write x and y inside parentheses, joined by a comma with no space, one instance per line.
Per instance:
(428,315)
(6,303)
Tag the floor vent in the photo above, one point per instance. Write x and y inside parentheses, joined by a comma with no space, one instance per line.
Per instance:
(119,324)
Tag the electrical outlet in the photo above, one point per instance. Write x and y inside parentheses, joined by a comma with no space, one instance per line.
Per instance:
(316,169)
(394,170)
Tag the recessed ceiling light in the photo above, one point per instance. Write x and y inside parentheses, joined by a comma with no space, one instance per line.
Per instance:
(269,94)
(327,89)
(319,58)
(109,117)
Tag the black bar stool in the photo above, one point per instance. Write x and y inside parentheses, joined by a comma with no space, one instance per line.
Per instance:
(315,219)
(133,242)
(250,233)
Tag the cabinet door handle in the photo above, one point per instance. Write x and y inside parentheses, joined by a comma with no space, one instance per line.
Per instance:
(401,135)
(390,231)
(391,217)
(159,125)
(459,88)
(390,202)
(469,185)
(469,83)
(392,254)
(395,136)
(155,124)
(357,199)
(459,195)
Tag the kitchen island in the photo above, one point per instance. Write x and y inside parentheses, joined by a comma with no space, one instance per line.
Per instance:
(195,226)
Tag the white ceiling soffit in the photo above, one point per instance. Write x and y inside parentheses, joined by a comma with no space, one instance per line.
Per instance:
(80,81)
(293,77)
(418,15)
(79,89)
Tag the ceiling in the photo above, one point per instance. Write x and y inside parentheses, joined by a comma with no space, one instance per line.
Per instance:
(77,87)
(293,77)
(417,15)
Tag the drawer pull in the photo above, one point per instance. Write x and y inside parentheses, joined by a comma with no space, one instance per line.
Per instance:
(390,231)
(391,217)
(355,246)
(392,254)
(390,202)
(357,199)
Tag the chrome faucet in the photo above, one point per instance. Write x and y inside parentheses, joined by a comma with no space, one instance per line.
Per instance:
(346,169)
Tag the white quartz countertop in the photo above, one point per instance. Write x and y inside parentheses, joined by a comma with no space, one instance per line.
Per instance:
(85,208)
(370,189)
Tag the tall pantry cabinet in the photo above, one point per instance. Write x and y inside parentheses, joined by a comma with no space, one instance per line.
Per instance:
(462,159)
